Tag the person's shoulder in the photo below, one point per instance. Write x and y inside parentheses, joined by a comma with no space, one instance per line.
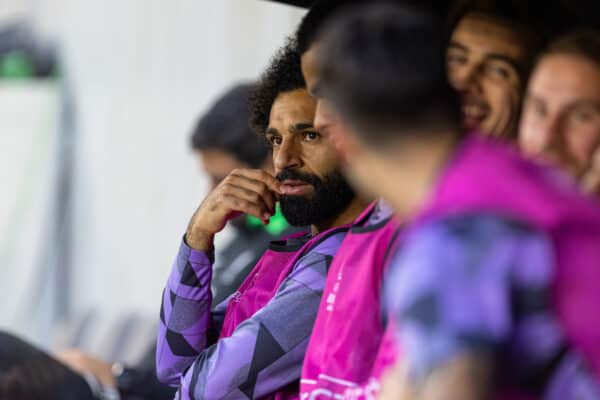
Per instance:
(477,229)
(328,243)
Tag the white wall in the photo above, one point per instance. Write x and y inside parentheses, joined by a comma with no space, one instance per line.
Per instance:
(29,121)
(140,72)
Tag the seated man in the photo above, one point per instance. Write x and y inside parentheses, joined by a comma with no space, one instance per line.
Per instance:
(494,288)
(224,141)
(561,114)
(252,345)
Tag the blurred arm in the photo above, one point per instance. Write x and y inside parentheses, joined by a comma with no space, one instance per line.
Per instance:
(457,292)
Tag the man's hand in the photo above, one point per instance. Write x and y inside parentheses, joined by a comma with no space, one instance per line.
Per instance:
(83,363)
(243,191)
(395,384)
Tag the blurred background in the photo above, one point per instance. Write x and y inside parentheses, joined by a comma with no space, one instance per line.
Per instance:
(97,100)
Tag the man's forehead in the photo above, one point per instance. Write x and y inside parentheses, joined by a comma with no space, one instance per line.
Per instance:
(566,77)
(485,34)
(296,103)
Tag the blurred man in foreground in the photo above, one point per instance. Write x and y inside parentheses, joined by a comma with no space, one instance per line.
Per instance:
(349,329)
(481,289)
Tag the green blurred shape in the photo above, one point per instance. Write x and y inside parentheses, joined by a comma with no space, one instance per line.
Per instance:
(16,65)
(276,226)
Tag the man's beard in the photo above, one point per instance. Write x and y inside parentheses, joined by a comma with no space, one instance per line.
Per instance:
(331,196)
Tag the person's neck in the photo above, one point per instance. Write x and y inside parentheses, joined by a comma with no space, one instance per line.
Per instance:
(411,179)
(347,216)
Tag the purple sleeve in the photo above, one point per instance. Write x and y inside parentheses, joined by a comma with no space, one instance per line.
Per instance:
(186,321)
(472,284)
(265,352)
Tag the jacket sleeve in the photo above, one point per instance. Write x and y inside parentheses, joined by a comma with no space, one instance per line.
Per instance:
(265,352)
(187,325)
(468,286)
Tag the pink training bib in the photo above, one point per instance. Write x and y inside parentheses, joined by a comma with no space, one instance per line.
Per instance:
(348,329)
(262,284)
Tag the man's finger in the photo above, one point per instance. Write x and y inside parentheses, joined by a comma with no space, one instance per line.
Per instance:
(247,207)
(237,189)
(258,186)
(262,176)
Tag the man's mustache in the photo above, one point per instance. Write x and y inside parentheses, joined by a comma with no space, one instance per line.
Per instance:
(298,176)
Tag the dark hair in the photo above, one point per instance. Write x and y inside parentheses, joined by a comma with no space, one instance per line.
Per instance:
(27,373)
(282,75)
(382,66)
(584,43)
(322,11)
(539,21)
(226,127)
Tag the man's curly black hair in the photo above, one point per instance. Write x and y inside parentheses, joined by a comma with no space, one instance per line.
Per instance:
(282,75)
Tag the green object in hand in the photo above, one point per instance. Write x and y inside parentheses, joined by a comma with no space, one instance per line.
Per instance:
(277,223)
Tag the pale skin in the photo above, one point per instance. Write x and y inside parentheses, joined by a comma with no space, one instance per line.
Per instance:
(561,117)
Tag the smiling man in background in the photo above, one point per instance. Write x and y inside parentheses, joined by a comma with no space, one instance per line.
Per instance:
(561,114)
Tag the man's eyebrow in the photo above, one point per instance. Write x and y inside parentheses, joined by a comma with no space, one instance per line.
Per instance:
(529,95)
(585,103)
(271,131)
(494,56)
(456,45)
(504,58)
(301,126)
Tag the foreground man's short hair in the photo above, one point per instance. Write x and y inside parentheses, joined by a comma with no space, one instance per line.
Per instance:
(382,66)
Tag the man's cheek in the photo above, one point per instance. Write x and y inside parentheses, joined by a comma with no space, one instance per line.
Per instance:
(336,138)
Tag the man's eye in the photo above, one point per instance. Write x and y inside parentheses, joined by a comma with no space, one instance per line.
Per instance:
(274,141)
(311,136)
(455,59)
(536,108)
(498,71)
(583,116)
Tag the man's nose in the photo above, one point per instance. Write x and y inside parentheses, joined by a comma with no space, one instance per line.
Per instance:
(288,155)
(466,78)
(551,133)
